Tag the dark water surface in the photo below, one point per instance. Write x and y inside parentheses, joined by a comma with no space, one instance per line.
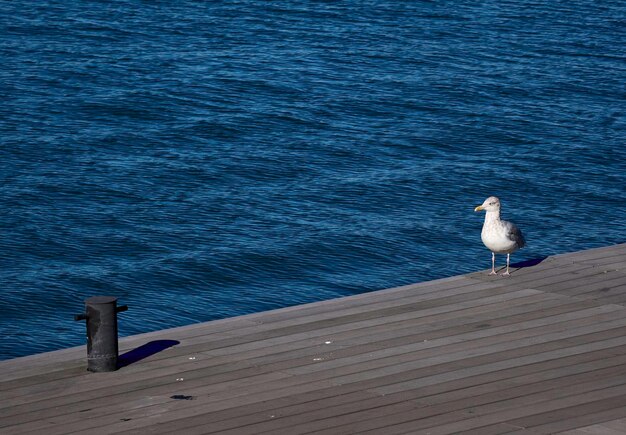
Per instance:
(201,160)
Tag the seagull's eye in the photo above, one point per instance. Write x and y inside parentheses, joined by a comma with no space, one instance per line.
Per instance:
(491,203)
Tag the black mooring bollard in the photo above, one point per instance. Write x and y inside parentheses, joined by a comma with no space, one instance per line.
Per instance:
(101,315)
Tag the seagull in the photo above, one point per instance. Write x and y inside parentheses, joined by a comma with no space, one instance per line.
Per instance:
(500,237)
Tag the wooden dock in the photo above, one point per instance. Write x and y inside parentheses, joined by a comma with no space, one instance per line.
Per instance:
(540,352)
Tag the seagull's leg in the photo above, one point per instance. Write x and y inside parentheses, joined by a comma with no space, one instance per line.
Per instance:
(493,264)
(508,257)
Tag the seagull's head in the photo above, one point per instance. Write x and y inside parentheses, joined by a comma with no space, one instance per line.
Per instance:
(491,204)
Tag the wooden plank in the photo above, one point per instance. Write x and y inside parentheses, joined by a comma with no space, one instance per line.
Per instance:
(525,275)
(47,386)
(323,419)
(576,416)
(615,264)
(279,389)
(613,282)
(612,427)
(565,274)
(238,324)
(465,353)
(226,384)
(242,411)
(518,416)
(308,326)
(468,343)
(577,367)
(49,361)
(448,389)
(590,283)
(301,416)
(239,417)
(245,331)
(416,379)
(592,254)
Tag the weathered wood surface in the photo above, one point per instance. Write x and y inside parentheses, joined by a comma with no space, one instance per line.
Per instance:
(542,351)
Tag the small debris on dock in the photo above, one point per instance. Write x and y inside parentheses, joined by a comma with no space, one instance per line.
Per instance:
(181,397)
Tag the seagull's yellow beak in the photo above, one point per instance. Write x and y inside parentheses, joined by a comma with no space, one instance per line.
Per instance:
(479,208)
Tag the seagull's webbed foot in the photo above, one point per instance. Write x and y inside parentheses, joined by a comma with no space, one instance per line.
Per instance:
(493,272)
(506,274)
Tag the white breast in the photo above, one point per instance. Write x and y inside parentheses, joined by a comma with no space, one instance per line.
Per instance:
(494,236)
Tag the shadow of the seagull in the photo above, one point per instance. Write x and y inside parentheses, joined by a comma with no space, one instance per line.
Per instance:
(514,267)
(528,263)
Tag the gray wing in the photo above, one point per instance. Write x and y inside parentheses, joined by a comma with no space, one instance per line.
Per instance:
(515,234)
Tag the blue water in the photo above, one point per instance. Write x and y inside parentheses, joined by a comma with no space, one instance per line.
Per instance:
(201,160)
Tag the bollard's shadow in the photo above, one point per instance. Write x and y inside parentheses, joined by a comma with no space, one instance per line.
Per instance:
(144,351)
